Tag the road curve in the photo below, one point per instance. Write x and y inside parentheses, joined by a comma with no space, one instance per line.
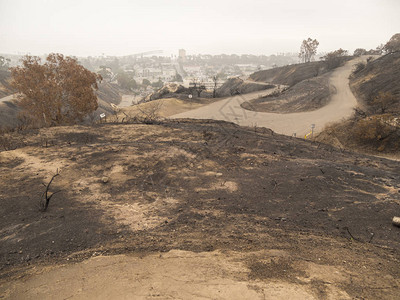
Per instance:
(339,107)
(8,98)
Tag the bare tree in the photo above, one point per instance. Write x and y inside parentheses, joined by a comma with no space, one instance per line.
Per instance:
(197,86)
(308,49)
(149,113)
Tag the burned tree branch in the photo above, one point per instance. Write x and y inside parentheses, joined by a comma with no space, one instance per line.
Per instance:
(44,204)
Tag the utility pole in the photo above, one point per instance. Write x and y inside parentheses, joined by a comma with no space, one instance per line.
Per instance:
(215,79)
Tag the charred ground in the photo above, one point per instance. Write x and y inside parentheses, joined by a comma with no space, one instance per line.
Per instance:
(307,95)
(200,186)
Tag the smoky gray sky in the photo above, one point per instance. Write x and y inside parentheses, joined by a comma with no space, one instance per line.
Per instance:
(121,27)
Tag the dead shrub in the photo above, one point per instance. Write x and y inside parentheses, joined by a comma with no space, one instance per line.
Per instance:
(150,113)
(6,142)
(375,131)
(359,67)
(383,102)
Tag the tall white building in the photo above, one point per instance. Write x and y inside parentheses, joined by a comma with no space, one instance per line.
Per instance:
(182,55)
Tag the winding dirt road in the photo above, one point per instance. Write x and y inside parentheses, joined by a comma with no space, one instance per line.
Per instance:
(340,107)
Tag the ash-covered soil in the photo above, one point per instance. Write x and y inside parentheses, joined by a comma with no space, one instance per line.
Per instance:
(307,95)
(202,186)
(380,75)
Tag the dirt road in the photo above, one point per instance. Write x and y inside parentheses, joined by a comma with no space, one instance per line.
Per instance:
(173,275)
(340,107)
(129,100)
(7,98)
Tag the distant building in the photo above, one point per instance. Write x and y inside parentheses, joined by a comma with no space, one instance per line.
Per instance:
(182,55)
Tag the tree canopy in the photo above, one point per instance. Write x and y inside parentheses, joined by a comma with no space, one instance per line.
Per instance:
(59,91)
(146,82)
(105,73)
(157,84)
(393,45)
(359,52)
(308,49)
(125,80)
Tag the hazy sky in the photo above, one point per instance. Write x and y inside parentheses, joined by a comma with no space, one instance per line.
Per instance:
(121,27)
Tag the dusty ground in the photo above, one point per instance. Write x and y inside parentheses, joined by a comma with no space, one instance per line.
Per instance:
(181,274)
(129,100)
(5,87)
(163,107)
(196,209)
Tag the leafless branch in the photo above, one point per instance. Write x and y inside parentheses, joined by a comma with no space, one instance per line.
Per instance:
(44,204)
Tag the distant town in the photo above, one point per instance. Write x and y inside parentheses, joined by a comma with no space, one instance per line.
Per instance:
(143,73)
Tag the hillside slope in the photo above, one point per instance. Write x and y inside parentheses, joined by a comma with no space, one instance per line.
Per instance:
(307,95)
(379,75)
(307,87)
(5,88)
(106,94)
(293,74)
(307,216)
(290,75)
(236,86)
(8,112)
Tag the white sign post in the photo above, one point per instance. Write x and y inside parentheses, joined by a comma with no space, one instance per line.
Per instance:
(312,130)
(102,116)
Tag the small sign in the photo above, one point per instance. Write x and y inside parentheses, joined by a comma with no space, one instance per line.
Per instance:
(312,125)
(190,96)
(103,115)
